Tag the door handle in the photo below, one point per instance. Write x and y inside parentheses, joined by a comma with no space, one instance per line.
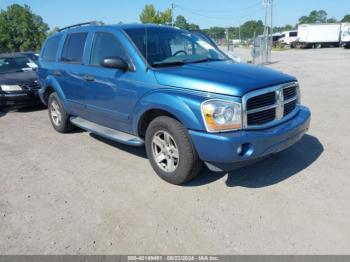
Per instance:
(57,73)
(89,78)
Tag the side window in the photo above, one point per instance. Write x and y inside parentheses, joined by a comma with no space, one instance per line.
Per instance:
(106,45)
(73,49)
(50,49)
(293,34)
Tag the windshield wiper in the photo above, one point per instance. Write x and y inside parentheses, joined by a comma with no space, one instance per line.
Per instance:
(175,63)
(207,59)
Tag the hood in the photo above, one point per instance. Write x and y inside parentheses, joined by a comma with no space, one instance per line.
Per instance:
(18,78)
(222,77)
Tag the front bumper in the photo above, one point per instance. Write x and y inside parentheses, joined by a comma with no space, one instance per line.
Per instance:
(14,99)
(222,152)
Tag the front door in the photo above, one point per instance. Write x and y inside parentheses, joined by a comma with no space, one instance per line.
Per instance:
(110,91)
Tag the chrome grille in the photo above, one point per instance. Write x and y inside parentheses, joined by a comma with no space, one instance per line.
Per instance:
(31,86)
(268,106)
(261,101)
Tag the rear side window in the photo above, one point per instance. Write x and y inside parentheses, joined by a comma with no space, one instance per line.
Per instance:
(50,50)
(106,45)
(73,49)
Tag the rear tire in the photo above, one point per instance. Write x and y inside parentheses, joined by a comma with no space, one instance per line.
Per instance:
(58,116)
(171,152)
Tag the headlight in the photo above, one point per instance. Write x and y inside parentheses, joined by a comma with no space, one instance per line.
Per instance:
(221,115)
(8,88)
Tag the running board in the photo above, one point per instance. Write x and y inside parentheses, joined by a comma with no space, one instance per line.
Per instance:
(107,132)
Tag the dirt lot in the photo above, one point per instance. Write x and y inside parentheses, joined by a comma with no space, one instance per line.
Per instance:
(77,194)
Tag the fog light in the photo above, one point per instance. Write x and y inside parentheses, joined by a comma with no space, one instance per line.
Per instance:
(245,149)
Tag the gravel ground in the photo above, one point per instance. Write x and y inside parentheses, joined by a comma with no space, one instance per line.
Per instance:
(78,194)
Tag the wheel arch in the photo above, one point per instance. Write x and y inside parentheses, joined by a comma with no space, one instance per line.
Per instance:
(180,107)
(52,85)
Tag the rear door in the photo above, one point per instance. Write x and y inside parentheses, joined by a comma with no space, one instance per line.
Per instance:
(70,75)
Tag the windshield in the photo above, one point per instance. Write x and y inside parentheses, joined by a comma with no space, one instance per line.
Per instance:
(14,64)
(171,47)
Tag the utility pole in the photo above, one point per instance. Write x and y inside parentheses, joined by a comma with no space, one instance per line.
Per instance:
(227,39)
(271,29)
(239,32)
(267,32)
(172,14)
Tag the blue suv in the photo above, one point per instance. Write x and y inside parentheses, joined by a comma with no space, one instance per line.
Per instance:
(172,91)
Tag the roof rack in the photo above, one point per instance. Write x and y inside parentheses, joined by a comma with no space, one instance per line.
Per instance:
(81,24)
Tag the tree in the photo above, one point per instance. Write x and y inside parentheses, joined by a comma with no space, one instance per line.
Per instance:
(283,28)
(346,18)
(193,27)
(332,20)
(150,15)
(215,32)
(250,27)
(20,29)
(165,17)
(181,22)
(315,17)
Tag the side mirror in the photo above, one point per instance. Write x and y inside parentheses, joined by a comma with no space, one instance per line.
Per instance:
(115,62)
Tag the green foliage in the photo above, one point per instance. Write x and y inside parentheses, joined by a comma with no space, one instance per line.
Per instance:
(182,23)
(193,27)
(20,29)
(346,18)
(332,20)
(249,28)
(315,16)
(283,28)
(150,15)
(215,32)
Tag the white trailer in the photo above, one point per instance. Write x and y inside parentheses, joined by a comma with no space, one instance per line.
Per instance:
(288,37)
(345,35)
(318,35)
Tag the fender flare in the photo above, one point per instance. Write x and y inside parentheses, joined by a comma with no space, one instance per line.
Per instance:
(184,108)
(52,82)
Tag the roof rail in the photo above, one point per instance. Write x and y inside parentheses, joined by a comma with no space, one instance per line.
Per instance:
(81,24)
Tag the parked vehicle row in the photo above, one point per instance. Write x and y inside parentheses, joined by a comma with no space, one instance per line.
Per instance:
(315,36)
(318,35)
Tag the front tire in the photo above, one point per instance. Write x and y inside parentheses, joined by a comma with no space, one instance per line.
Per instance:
(58,116)
(171,151)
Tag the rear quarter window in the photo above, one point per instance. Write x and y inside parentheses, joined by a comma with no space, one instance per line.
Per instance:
(73,49)
(50,49)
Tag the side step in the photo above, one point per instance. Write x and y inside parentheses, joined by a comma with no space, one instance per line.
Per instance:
(107,132)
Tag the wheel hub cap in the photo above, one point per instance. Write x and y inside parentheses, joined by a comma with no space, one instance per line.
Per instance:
(55,113)
(165,151)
